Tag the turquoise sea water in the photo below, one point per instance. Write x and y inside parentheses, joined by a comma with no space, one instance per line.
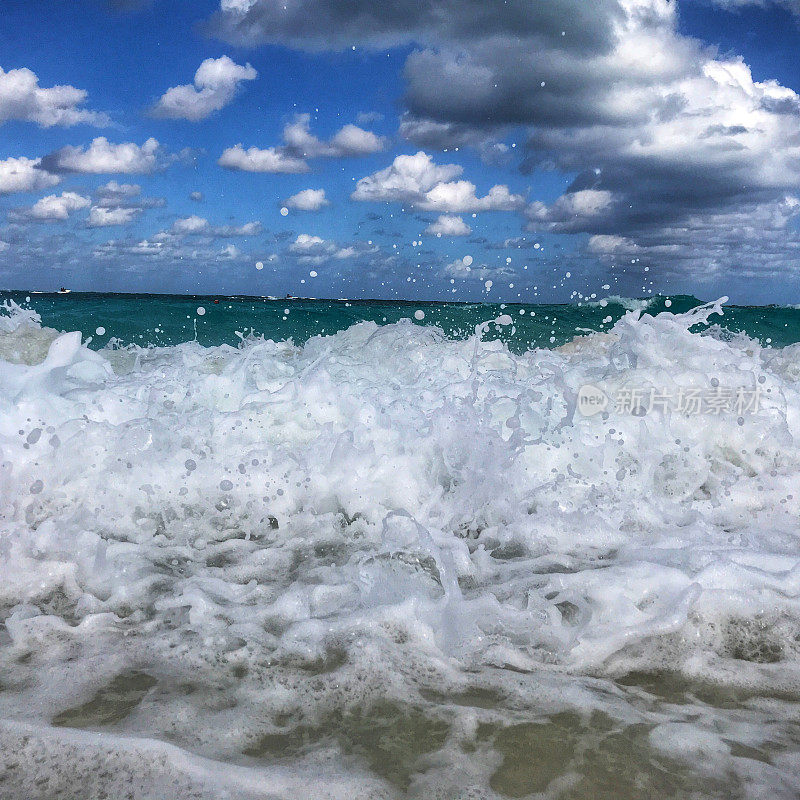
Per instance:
(171,319)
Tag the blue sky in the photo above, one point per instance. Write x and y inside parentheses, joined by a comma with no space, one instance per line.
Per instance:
(466,150)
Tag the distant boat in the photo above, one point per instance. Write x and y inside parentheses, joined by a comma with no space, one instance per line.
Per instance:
(62,290)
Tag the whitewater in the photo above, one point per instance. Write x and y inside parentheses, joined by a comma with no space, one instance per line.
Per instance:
(390,562)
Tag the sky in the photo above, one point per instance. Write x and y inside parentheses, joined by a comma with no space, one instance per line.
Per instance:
(516,150)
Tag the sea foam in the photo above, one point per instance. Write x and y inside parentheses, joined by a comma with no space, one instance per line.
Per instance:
(387,553)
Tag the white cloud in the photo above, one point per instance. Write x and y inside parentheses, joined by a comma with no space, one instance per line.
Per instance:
(56,207)
(416,179)
(167,249)
(406,180)
(238,6)
(314,250)
(305,243)
(101,156)
(24,175)
(101,217)
(125,195)
(119,191)
(460,197)
(571,210)
(299,145)
(448,225)
(608,244)
(215,85)
(348,141)
(190,225)
(254,160)
(229,253)
(198,226)
(463,271)
(21,98)
(119,204)
(307,200)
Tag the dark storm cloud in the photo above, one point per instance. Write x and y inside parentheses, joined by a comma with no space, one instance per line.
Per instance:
(753,242)
(675,147)
(339,24)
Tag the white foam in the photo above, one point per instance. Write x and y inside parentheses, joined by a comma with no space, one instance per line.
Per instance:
(279,537)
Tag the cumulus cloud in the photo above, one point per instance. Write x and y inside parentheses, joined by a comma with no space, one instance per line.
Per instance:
(608,244)
(347,142)
(300,144)
(125,195)
(465,269)
(310,250)
(307,200)
(305,243)
(247,229)
(24,175)
(448,225)
(100,217)
(119,204)
(418,180)
(215,84)
(576,210)
(230,252)
(21,98)
(116,192)
(55,208)
(253,159)
(459,196)
(198,226)
(407,179)
(166,251)
(101,156)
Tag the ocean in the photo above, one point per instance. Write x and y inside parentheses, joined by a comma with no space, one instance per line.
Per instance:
(162,320)
(286,548)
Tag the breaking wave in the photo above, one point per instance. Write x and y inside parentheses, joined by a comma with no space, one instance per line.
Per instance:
(401,562)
